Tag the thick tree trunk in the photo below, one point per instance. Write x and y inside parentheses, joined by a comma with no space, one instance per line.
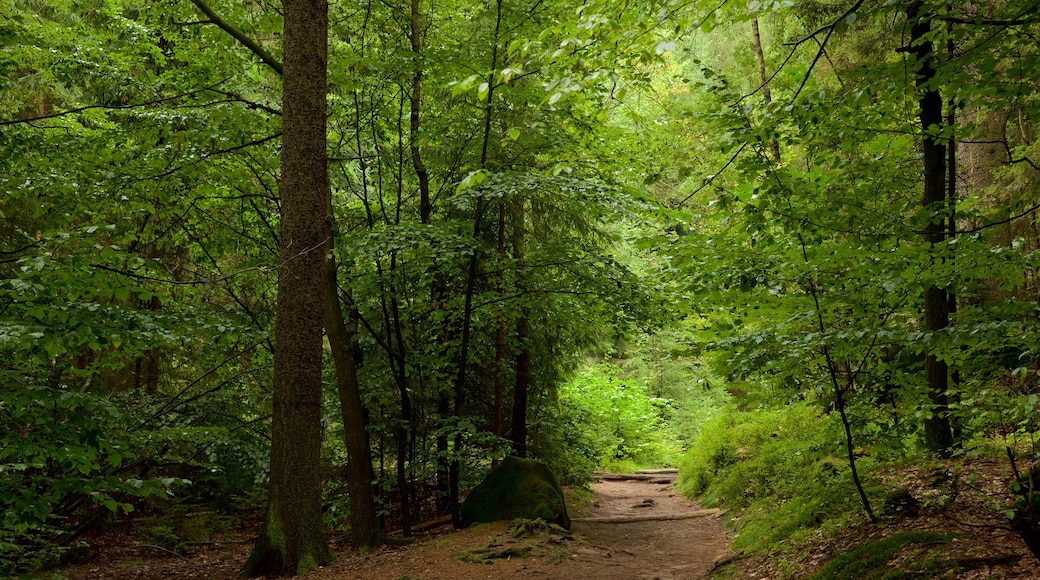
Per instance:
(938,432)
(500,336)
(518,425)
(292,540)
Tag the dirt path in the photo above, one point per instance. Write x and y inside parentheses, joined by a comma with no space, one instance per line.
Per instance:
(680,542)
(656,549)
(673,540)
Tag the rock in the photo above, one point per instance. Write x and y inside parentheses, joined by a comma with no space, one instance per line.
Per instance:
(517,488)
(900,502)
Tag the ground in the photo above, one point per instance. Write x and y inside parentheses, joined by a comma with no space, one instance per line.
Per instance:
(652,533)
(662,549)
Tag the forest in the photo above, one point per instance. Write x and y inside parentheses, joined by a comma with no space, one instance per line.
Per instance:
(311,267)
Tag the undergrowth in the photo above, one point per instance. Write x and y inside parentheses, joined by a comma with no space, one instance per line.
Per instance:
(777,472)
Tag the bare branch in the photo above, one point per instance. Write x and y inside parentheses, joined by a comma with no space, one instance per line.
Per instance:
(31,120)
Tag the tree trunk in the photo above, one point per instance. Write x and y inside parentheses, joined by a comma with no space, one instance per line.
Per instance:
(523,383)
(518,425)
(499,368)
(292,540)
(938,432)
(365,528)
(763,80)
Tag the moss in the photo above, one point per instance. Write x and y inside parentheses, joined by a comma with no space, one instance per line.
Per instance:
(517,488)
(869,561)
(306,564)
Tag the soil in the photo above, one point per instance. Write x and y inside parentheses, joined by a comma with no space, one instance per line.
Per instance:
(654,533)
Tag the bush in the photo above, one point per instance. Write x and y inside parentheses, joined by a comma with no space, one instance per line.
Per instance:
(623,421)
(62,456)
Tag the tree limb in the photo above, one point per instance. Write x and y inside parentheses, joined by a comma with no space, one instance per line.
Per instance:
(237,34)
(109,108)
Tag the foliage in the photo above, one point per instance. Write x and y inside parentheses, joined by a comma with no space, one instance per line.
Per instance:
(63,454)
(584,172)
(776,471)
(620,417)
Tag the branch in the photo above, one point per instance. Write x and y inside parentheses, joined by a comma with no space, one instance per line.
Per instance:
(250,104)
(202,158)
(20,250)
(1016,21)
(711,179)
(200,282)
(999,222)
(247,42)
(830,28)
(110,108)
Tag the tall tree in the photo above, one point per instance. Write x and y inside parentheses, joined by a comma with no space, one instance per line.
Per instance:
(937,427)
(292,540)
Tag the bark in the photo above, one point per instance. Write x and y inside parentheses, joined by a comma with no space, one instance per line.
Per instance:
(365,527)
(521,388)
(500,336)
(523,358)
(763,80)
(292,540)
(956,427)
(938,432)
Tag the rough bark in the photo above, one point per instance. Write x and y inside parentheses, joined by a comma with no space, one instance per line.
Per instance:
(518,425)
(521,388)
(292,540)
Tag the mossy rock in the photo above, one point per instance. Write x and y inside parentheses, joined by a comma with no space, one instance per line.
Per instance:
(517,488)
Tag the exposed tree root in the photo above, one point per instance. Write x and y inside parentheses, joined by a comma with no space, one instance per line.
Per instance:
(649,518)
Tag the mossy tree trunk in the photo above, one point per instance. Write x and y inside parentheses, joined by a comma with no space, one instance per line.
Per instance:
(292,540)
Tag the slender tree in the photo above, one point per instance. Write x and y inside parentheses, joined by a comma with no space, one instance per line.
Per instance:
(938,431)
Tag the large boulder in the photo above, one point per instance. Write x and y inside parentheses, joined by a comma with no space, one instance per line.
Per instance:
(517,488)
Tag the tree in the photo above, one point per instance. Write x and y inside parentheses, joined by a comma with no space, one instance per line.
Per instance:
(292,540)
(937,428)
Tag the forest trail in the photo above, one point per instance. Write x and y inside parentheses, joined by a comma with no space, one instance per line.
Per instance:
(638,528)
(665,536)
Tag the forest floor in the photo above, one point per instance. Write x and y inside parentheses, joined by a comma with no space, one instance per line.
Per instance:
(632,529)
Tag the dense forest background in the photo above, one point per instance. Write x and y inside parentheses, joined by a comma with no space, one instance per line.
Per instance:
(785,245)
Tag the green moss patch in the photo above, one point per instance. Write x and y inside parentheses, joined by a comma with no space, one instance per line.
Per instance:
(870,561)
(517,488)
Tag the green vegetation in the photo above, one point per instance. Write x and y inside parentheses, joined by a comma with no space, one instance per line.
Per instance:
(868,561)
(780,471)
(783,245)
